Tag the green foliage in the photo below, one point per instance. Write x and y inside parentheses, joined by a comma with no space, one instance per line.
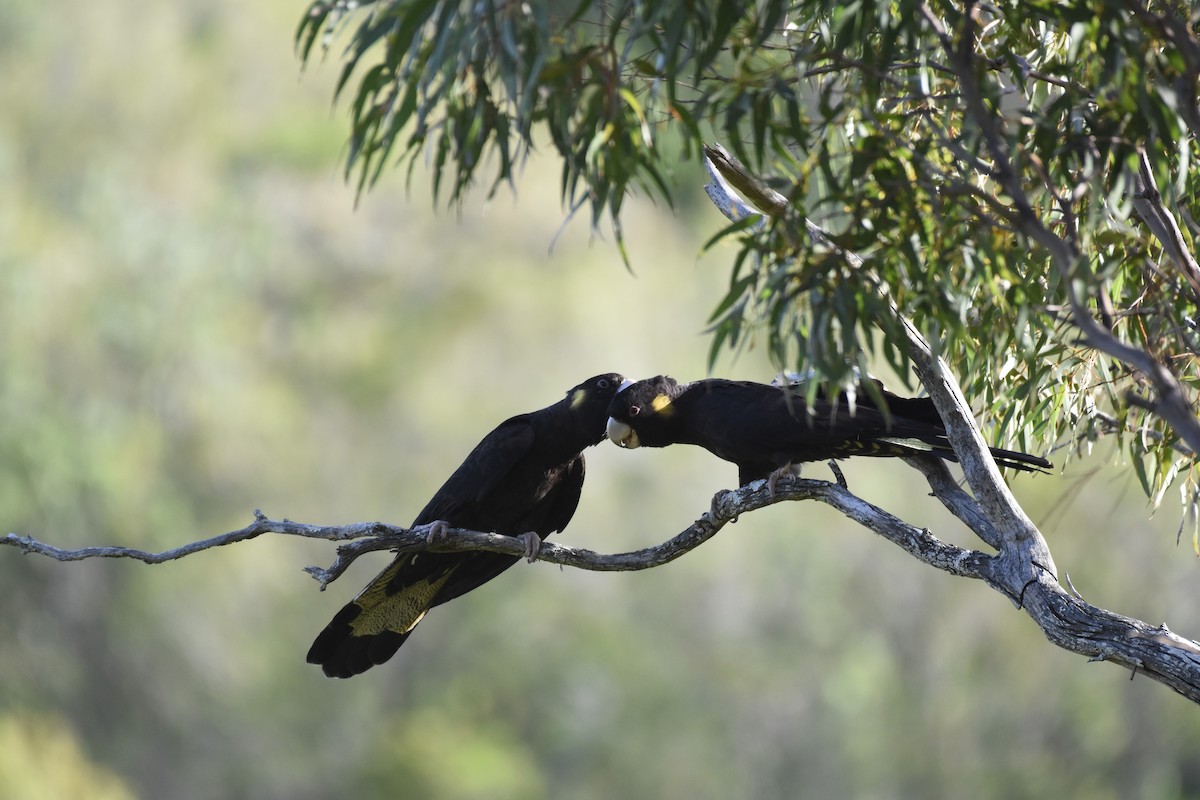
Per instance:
(461,82)
(900,127)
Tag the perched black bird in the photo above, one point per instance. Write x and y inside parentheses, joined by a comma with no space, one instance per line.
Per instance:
(524,478)
(763,429)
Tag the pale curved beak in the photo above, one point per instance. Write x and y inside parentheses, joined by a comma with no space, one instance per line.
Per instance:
(621,434)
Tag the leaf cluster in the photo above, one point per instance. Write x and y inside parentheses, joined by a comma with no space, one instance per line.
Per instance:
(465,85)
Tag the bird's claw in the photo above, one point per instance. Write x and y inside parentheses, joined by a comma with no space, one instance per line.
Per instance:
(533,545)
(438,529)
(714,510)
(790,470)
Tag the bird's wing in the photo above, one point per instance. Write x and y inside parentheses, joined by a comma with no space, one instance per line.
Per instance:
(760,427)
(369,629)
(483,469)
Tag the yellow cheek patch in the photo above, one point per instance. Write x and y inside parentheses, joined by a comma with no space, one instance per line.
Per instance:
(661,404)
(578,397)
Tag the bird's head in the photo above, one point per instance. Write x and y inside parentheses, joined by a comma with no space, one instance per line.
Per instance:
(590,399)
(641,413)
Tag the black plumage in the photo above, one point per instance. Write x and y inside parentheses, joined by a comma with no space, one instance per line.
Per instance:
(764,428)
(523,477)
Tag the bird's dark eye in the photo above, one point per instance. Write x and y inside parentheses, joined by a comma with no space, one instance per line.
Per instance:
(635,410)
(602,383)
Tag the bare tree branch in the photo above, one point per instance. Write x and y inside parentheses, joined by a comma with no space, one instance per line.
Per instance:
(260,526)
(1066,620)
(727,506)
(366,537)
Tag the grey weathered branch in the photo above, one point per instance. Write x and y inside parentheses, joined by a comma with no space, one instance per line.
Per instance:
(260,526)
(1067,620)
(366,537)
(955,498)
(727,506)
(1023,569)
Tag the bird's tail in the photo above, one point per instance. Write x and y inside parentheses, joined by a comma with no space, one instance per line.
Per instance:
(371,627)
(940,446)
(1015,459)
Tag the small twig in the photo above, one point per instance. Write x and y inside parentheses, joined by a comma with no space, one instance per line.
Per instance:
(837,474)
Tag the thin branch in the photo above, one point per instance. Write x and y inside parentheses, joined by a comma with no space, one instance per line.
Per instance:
(260,526)
(875,71)
(1147,202)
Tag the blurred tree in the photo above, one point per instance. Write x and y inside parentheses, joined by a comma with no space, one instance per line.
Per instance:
(1003,188)
(40,759)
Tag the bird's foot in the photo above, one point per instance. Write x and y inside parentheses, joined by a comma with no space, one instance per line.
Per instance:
(837,474)
(533,544)
(438,529)
(790,470)
(714,510)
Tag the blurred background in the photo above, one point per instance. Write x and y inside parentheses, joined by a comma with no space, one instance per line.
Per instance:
(196,321)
